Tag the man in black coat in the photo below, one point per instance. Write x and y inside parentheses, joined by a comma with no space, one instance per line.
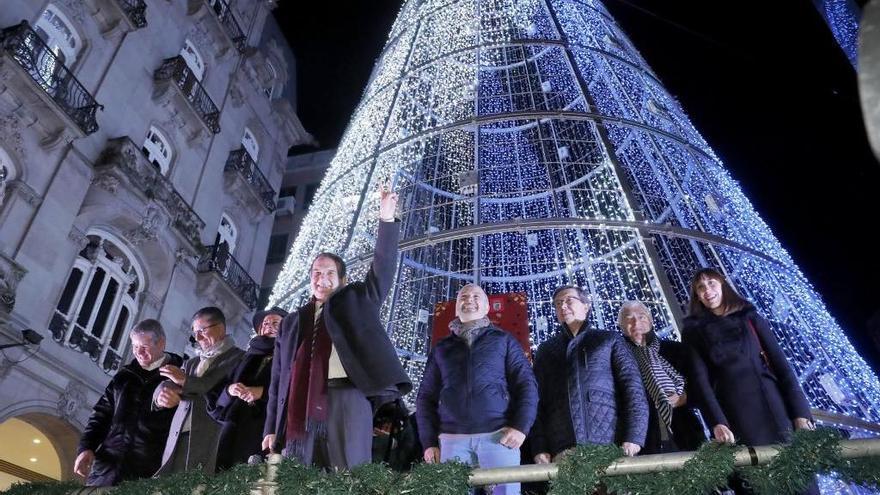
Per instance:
(124,437)
(589,386)
(333,358)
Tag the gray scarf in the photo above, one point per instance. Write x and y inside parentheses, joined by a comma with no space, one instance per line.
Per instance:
(469,331)
(217,349)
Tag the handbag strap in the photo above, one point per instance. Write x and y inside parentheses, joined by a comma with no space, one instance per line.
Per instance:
(760,347)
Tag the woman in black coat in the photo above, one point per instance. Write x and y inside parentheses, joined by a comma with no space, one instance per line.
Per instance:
(673,424)
(239,403)
(747,390)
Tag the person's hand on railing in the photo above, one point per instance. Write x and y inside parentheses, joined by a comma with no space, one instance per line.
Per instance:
(432,455)
(803,424)
(722,434)
(630,449)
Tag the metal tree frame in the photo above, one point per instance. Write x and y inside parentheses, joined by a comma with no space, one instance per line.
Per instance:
(532,147)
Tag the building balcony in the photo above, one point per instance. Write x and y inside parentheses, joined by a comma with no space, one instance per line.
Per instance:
(223,23)
(118,15)
(124,161)
(11,274)
(175,73)
(44,73)
(218,260)
(78,339)
(240,165)
(135,11)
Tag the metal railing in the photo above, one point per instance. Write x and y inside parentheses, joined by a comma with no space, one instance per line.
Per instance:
(655,463)
(240,161)
(135,10)
(124,154)
(45,68)
(217,258)
(176,70)
(227,20)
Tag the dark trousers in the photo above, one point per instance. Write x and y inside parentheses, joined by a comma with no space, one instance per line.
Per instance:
(349,438)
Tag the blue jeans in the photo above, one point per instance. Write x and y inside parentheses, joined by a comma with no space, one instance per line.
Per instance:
(481,450)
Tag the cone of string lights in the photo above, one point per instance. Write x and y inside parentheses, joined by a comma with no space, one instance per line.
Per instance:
(532,147)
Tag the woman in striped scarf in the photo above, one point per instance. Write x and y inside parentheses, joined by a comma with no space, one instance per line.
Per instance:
(672,425)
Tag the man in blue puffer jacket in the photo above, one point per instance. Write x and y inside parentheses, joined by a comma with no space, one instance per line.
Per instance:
(478,396)
(589,385)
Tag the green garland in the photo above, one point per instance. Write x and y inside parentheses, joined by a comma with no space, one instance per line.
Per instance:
(795,467)
(864,472)
(582,468)
(451,478)
(581,471)
(708,469)
(43,488)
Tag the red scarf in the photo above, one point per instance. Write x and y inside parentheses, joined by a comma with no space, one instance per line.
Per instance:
(307,394)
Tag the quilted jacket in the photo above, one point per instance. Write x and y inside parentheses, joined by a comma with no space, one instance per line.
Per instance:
(590,391)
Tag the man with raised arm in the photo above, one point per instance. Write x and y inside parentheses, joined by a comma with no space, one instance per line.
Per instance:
(333,361)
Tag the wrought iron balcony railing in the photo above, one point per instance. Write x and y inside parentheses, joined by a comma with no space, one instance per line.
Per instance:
(217,258)
(135,10)
(33,54)
(78,339)
(240,161)
(125,155)
(175,69)
(227,20)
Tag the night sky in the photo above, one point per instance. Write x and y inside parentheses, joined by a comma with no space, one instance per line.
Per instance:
(765,83)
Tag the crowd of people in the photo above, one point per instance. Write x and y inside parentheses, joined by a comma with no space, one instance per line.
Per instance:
(317,384)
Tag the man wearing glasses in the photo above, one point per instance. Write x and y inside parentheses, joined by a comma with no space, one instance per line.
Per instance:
(334,363)
(192,440)
(589,386)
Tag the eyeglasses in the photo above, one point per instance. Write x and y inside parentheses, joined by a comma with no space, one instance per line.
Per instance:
(567,301)
(202,330)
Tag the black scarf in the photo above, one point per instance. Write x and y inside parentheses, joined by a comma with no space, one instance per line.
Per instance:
(261,345)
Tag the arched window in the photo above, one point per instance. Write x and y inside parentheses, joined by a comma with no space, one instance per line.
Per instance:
(250,144)
(157,150)
(227,232)
(269,90)
(193,59)
(7,173)
(57,31)
(98,302)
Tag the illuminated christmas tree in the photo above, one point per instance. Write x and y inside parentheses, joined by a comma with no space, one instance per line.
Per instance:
(532,146)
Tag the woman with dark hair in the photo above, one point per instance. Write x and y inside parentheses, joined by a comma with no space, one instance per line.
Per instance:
(747,391)
(239,403)
(672,423)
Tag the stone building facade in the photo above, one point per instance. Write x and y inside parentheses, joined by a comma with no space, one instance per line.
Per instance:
(142,147)
(302,176)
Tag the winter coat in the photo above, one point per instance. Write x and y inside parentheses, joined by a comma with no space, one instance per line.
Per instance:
(590,391)
(125,434)
(687,429)
(476,389)
(351,316)
(734,385)
(204,433)
(241,423)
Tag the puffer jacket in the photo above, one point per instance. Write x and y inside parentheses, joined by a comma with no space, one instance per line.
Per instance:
(476,389)
(590,391)
(126,435)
